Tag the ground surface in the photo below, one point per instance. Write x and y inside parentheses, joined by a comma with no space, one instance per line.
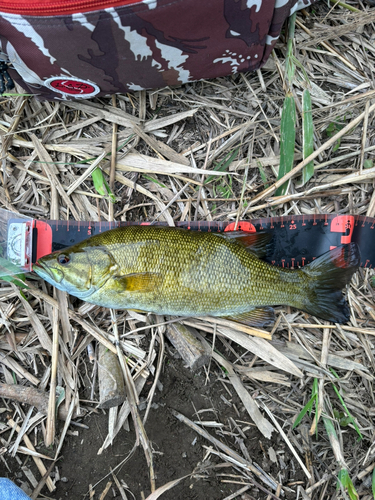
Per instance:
(178,451)
(302,370)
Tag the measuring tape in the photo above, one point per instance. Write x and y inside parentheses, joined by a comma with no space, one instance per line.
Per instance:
(297,240)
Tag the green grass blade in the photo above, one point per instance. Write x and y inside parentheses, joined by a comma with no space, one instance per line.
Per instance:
(88,160)
(289,60)
(302,68)
(368,163)
(344,480)
(263,174)
(307,408)
(307,136)
(344,6)
(287,141)
(332,130)
(152,179)
(98,180)
(309,405)
(13,273)
(330,428)
(351,418)
(101,185)
(223,165)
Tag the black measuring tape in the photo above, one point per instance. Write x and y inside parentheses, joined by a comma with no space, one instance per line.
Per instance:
(297,239)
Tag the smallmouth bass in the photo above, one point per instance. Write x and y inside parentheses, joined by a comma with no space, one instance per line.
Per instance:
(188,273)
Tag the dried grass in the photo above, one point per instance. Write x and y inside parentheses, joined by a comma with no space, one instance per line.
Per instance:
(168,143)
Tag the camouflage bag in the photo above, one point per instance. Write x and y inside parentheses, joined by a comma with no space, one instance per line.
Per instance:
(81,48)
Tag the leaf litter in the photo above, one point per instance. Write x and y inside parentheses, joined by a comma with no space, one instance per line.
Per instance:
(286,412)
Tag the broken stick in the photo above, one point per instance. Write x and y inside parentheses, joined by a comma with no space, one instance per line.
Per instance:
(188,346)
(111,380)
(33,397)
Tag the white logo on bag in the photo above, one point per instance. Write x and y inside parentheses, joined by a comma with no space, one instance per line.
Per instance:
(71,86)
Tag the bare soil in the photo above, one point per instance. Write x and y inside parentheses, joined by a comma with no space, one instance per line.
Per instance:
(178,450)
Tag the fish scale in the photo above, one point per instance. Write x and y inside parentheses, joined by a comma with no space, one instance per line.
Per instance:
(181,272)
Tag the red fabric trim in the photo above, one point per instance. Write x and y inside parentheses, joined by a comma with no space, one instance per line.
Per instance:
(56,7)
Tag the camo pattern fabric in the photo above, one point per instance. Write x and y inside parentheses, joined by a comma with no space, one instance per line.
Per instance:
(145,45)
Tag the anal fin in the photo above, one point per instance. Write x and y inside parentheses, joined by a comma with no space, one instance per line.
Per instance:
(259,316)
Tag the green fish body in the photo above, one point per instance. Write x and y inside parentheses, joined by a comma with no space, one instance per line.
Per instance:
(180,272)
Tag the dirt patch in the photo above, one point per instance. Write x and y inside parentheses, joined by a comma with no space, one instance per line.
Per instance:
(177,449)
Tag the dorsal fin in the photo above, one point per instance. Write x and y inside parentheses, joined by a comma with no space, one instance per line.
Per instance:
(256,243)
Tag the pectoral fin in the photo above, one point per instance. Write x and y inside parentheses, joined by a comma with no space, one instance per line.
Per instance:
(260,316)
(255,243)
(137,282)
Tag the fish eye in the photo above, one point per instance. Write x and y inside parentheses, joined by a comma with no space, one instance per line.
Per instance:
(63,259)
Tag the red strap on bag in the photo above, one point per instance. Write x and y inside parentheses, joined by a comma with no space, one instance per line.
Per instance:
(55,7)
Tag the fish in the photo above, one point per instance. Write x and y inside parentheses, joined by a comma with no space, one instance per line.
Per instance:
(181,272)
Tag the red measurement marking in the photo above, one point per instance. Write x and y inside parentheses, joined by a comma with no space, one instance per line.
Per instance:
(292,226)
(303,261)
(283,262)
(241,226)
(325,220)
(143,223)
(293,259)
(367,261)
(343,224)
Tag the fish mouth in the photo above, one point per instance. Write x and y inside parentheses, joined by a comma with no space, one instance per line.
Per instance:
(48,274)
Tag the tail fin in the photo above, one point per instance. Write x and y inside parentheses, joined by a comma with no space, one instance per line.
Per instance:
(326,277)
